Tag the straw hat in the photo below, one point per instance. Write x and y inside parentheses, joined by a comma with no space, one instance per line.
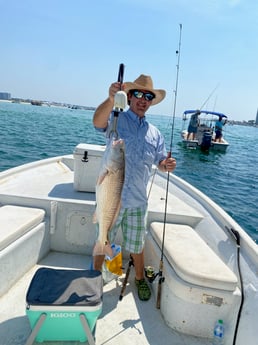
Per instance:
(144,82)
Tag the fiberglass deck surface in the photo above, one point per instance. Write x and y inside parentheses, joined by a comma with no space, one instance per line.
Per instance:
(129,321)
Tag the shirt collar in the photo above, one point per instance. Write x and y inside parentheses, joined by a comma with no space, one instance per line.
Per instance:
(134,117)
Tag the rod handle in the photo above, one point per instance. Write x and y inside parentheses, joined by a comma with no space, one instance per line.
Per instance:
(126,279)
(158,296)
(120,77)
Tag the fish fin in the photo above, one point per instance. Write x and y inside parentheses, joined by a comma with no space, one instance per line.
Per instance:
(102,249)
(101,178)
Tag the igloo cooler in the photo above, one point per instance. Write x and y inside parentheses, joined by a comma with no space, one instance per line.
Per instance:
(64,305)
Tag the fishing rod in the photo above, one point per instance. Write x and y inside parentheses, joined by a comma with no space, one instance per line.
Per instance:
(130,264)
(160,273)
(212,92)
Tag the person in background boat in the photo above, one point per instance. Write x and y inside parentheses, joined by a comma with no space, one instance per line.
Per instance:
(218,129)
(193,125)
(144,146)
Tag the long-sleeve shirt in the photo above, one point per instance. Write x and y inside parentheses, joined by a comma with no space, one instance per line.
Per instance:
(144,146)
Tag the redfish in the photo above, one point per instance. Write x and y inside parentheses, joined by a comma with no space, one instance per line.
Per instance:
(108,193)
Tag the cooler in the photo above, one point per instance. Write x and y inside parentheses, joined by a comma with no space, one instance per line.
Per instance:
(87,160)
(64,305)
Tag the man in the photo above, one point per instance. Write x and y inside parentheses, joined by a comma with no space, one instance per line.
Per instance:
(218,130)
(144,146)
(193,125)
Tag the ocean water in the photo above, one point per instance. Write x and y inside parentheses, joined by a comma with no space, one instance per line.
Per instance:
(30,133)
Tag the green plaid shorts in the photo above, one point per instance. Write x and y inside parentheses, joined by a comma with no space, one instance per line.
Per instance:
(133,225)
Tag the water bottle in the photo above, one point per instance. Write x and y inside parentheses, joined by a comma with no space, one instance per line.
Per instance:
(218,333)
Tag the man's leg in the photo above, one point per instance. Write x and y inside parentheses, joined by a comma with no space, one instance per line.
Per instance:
(144,292)
(138,260)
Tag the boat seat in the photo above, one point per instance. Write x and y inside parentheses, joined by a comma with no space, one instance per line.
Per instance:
(16,221)
(191,258)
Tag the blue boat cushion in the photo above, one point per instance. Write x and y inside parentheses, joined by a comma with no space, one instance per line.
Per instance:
(16,221)
(192,259)
(63,287)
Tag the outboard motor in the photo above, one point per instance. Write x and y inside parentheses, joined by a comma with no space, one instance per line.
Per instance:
(206,141)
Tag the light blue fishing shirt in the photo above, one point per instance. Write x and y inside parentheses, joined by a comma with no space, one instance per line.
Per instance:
(144,146)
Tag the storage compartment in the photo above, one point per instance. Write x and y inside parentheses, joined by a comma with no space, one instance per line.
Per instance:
(23,241)
(87,160)
(197,282)
(60,301)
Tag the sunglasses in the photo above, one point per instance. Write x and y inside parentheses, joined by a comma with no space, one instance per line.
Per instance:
(148,96)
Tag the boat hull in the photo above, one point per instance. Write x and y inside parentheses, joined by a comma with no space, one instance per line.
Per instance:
(214,146)
(190,302)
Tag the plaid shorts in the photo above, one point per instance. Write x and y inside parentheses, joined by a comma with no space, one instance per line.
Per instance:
(133,225)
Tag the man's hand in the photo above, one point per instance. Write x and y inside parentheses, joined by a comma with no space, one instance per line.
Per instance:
(168,164)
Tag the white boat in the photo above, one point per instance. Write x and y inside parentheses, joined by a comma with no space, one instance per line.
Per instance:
(205,136)
(207,270)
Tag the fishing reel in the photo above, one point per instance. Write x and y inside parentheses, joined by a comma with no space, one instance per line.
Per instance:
(150,274)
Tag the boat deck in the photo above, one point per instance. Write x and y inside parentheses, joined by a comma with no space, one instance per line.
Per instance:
(129,321)
(49,183)
(54,180)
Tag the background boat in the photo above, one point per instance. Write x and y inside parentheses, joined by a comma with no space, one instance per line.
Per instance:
(205,136)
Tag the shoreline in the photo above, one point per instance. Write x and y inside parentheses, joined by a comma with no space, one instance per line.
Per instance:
(48,104)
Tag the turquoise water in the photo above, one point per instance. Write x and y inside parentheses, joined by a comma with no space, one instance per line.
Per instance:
(31,133)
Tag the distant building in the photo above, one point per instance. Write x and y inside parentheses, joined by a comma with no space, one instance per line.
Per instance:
(5,95)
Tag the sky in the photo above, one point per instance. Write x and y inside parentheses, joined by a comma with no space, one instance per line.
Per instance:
(70,51)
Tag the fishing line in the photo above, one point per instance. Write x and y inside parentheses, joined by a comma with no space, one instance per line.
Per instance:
(212,92)
(174,107)
(160,273)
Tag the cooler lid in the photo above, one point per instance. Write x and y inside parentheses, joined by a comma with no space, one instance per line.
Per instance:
(93,150)
(65,287)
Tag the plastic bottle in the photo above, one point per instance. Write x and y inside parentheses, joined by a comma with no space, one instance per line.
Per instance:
(218,333)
